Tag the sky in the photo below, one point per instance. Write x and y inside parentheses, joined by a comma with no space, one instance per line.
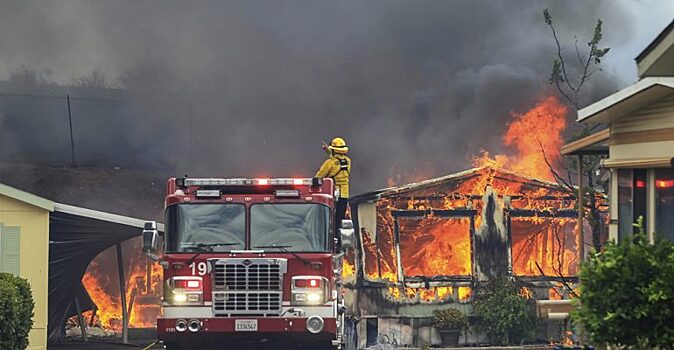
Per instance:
(650,18)
(252,88)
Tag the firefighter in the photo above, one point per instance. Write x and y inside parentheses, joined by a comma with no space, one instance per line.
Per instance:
(338,168)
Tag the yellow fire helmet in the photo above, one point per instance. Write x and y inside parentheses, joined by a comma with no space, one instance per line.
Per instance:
(338,145)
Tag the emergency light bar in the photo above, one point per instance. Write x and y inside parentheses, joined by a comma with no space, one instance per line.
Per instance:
(252,182)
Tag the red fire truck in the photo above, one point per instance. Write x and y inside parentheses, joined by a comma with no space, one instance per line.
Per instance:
(250,260)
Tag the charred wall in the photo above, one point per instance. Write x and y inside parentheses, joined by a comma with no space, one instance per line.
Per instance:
(430,242)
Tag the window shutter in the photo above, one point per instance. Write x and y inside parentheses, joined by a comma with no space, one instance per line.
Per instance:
(9,249)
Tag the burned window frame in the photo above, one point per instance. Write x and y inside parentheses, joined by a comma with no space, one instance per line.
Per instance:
(447,214)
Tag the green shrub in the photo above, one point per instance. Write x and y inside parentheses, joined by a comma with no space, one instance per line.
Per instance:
(627,293)
(449,318)
(16,311)
(503,313)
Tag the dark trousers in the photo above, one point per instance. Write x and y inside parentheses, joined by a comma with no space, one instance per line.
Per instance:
(340,214)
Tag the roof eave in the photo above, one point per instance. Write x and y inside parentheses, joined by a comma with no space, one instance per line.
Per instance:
(650,89)
(376,195)
(655,42)
(26,197)
(103,216)
(580,146)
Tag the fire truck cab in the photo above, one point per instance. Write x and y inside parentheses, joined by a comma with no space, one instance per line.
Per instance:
(250,260)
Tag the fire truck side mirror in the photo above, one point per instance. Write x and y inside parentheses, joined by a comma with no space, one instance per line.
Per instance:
(150,238)
(346,232)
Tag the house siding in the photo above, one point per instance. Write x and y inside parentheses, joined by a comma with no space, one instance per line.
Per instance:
(636,129)
(33,223)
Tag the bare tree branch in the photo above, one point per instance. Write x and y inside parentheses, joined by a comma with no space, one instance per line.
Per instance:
(580,59)
(592,72)
(561,91)
(557,177)
(584,77)
(588,66)
(564,282)
(559,50)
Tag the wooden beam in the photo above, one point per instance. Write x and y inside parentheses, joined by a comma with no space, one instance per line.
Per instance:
(399,261)
(529,213)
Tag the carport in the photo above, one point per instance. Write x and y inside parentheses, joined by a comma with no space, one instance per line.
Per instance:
(77,235)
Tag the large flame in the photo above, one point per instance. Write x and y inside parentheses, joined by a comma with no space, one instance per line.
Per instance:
(142,295)
(109,311)
(537,137)
(440,246)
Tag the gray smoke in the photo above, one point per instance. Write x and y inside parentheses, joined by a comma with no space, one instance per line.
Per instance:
(415,87)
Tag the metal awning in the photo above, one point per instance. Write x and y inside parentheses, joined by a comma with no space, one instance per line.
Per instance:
(76,236)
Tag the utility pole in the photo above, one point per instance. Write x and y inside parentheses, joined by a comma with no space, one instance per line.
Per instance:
(72,140)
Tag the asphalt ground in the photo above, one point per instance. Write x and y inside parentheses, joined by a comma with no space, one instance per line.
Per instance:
(94,345)
(97,345)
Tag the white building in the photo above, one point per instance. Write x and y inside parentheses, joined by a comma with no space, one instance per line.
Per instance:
(639,140)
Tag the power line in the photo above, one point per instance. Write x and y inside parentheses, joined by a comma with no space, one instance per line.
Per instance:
(60,97)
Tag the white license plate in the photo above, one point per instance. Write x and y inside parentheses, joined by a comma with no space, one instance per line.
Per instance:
(245,325)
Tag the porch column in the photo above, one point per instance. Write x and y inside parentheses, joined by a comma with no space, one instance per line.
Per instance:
(581,240)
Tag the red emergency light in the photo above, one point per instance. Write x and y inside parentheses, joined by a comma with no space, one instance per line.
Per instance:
(188,284)
(640,184)
(308,283)
(664,183)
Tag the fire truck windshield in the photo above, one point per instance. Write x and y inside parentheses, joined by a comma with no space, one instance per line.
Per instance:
(295,227)
(206,227)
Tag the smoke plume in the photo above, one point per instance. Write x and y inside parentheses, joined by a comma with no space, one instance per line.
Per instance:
(251,88)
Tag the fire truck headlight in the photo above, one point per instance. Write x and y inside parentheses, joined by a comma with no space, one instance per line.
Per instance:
(307,298)
(315,324)
(185,290)
(179,298)
(314,297)
(309,290)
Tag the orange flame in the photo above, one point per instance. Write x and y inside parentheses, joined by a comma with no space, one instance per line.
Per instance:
(348,270)
(109,313)
(536,135)
(105,294)
(432,246)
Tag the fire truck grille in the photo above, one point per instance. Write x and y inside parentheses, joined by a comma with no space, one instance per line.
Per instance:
(248,286)
(253,277)
(236,303)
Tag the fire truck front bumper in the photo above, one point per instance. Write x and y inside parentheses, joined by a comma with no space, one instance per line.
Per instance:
(291,330)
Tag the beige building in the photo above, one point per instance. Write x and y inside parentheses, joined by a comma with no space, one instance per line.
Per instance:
(639,141)
(24,250)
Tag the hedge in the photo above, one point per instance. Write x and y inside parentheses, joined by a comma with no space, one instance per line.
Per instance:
(627,293)
(16,311)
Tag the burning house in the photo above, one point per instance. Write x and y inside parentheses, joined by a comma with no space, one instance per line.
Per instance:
(426,244)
